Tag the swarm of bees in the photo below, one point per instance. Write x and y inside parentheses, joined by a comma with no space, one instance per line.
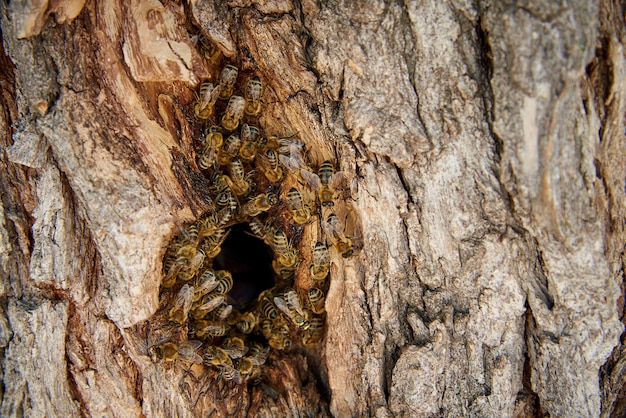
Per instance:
(247,170)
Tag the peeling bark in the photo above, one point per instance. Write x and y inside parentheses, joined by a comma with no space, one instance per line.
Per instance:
(482,146)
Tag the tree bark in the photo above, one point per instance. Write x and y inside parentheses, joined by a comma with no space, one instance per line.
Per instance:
(482,147)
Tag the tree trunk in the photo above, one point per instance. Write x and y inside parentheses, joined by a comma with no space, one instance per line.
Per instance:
(483,157)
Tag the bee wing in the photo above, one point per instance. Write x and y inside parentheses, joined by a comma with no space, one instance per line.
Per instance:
(236,105)
(330,230)
(289,162)
(235,373)
(144,346)
(184,297)
(213,328)
(259,358)
(193,345)
(261,159)
(215,92)
(236,352)
(282,305)
(292,141)
(212,304)
(225,312)
(196,358)
(245,132)
(187,351)
(197,259)
(336,180)
(205,92)
(294,300)
(311,178)
(320,252)
(206,282)
(335,222)
(292,159)
(244,351)
(290,147)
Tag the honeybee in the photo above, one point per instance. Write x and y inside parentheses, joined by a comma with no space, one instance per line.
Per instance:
(285,274)
(334,229)
(312,336)
(212,137)
(223,312)
(212,143)
(208,304)
(267,327)
(206,48)
(258,354)
(241,183)
(257,227)
(189,236)
(247,322)
(292,307)
(215,356)
(269,142)
(316,300)
(280,342)
(212,245)
(170,271)
(206,101)
(224,282)
(182,304)
(207,226)
(228,77)
(249,137)
(194,264)
(217,183)
(226,214)
(184,255)
(261,230)
(254,91)
(230,373)
(280,325)
(325,182)
(286,255)
(320,262)
(290,145)
(271,165)
(204,329)
(233,113)
(230,149)
(225,194)
(260,203)
(234,347)
(185,351)
(204,284)
(300,211)
(291,158)
(268,309)
(248,370)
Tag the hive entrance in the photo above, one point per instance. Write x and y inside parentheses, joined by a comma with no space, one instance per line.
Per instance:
(234,281)
(249,260)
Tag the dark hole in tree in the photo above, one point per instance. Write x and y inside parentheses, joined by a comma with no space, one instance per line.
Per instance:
(249,260)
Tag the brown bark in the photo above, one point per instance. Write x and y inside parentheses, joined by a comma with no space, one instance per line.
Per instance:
(483,151)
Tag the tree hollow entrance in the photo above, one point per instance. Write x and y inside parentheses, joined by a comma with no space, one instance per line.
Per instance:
(249,260)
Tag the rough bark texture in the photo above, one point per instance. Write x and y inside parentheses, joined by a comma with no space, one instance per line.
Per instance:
(483,147)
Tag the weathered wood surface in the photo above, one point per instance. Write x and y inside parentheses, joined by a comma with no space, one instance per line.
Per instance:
(484,147)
